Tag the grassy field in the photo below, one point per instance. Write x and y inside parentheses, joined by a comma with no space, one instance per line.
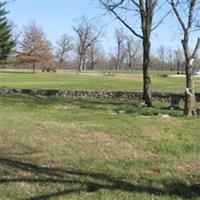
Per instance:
(98,80)
(96,149)
(90,149)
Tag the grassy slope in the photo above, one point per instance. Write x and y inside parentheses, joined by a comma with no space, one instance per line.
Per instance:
(92,81)
(95,153)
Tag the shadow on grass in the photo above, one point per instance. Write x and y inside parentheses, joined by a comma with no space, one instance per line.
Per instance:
(16,72)
(87,182)
(130,107)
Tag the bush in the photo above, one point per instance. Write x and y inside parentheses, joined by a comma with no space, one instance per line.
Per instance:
(164,75)
(109,73)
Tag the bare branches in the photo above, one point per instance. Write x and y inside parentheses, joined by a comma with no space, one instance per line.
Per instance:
(194,54)
(64,46)
(190,15)
(191,12)
(161,21)
(135,3)
(174,7)
(187,27)
(87,35)
(111,8)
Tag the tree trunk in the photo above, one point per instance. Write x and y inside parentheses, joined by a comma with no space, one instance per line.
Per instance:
(129,61)
(118,65)
(92,57)
(92,63)
(79,64)
(118,56)
(146,76)
(61,62)
(130,65)
(190,100)
(33,68)
(83,67)
(178,67)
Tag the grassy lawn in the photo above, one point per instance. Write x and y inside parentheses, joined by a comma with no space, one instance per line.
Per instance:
(90,149)
(124,81)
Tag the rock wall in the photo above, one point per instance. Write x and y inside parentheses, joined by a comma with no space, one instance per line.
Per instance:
(157,96)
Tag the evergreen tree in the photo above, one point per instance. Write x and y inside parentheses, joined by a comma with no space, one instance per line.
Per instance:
(6,41)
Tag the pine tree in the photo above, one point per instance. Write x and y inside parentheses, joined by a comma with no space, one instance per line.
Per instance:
(6,42)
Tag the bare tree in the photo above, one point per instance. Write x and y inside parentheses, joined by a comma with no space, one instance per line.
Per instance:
(94,53)
(170,57)
(187,12)
(15,33)
(146,10)
(178,59)
(35,48)
(87,35)
(133,49)
(64,46)
(121,52)
(161,54)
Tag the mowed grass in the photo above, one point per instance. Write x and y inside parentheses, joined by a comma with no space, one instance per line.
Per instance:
(97,80)
(90,149)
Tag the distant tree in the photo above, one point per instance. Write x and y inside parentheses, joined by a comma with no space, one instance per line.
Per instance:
(133,49)
(6,41)
(16,34)
(35,48)
(87,34)
(64,46)
(94,53)
(161,54)
(121,51)
(170,57)
(187,14)
(178,59)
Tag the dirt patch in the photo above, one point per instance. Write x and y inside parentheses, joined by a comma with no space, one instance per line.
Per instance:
(177,76)
(128,78)
(147,154)
(67,107)
(192,168)
(98,137)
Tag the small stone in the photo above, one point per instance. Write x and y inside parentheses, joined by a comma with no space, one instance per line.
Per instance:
(46,166)
(142,104)
(163,115)
(122,112)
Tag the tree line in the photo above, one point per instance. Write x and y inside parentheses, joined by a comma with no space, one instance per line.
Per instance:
(36,49)
(86,51)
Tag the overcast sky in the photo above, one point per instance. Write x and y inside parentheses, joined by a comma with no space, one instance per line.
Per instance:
(56,17)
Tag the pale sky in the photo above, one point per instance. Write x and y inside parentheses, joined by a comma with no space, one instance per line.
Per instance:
(56,17)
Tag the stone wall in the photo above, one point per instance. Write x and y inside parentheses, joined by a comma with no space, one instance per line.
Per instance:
(157,96)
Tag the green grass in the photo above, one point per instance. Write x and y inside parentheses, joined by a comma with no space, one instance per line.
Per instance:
(85,149)
(124,81)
